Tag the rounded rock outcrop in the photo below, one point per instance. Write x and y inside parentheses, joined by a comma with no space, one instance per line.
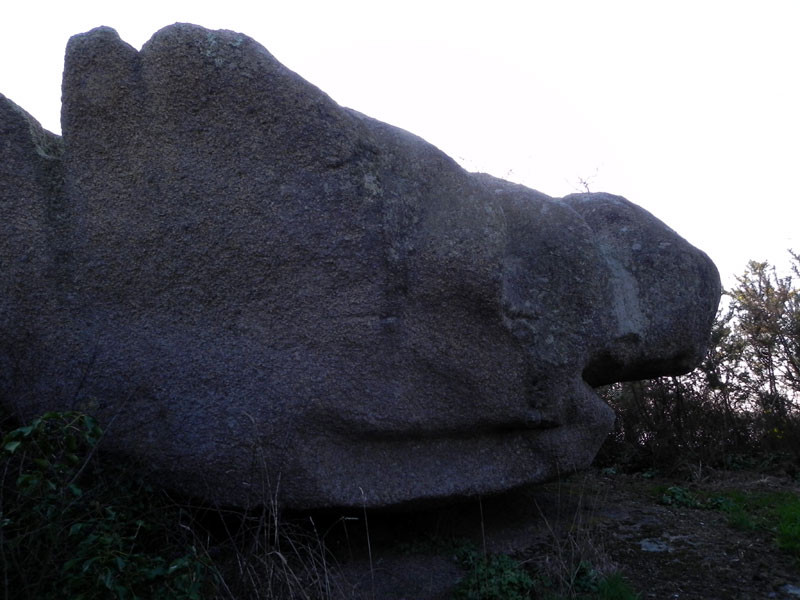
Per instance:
(261,293)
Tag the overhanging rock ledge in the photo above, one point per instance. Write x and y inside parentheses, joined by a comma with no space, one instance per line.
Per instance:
(261,293)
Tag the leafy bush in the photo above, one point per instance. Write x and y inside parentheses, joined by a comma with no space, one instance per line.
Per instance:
(68,531)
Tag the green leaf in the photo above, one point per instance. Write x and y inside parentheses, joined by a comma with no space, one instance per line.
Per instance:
(12,446)
(75,528)
(87,564)
(155,572)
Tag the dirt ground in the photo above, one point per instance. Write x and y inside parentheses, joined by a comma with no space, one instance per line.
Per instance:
(615,522)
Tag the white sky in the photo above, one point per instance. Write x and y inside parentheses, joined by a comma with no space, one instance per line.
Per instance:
(689,108)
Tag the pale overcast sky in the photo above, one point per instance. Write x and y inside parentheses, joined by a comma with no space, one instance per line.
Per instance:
(688,108)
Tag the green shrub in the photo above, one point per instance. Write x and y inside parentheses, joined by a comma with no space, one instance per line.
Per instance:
(68,530)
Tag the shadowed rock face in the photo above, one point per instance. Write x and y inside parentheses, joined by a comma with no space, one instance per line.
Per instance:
(262,293)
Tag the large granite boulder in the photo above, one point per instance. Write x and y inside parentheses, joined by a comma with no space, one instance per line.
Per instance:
(264,295)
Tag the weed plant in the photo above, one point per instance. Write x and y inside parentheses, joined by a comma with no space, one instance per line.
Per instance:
(500,577)
(491,577)
(681,497)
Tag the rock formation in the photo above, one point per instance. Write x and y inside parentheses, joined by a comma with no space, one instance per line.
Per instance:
(265,295)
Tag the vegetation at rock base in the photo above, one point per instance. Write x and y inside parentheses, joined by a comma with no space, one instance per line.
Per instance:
(75,524)
(492,577)
(69,531)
